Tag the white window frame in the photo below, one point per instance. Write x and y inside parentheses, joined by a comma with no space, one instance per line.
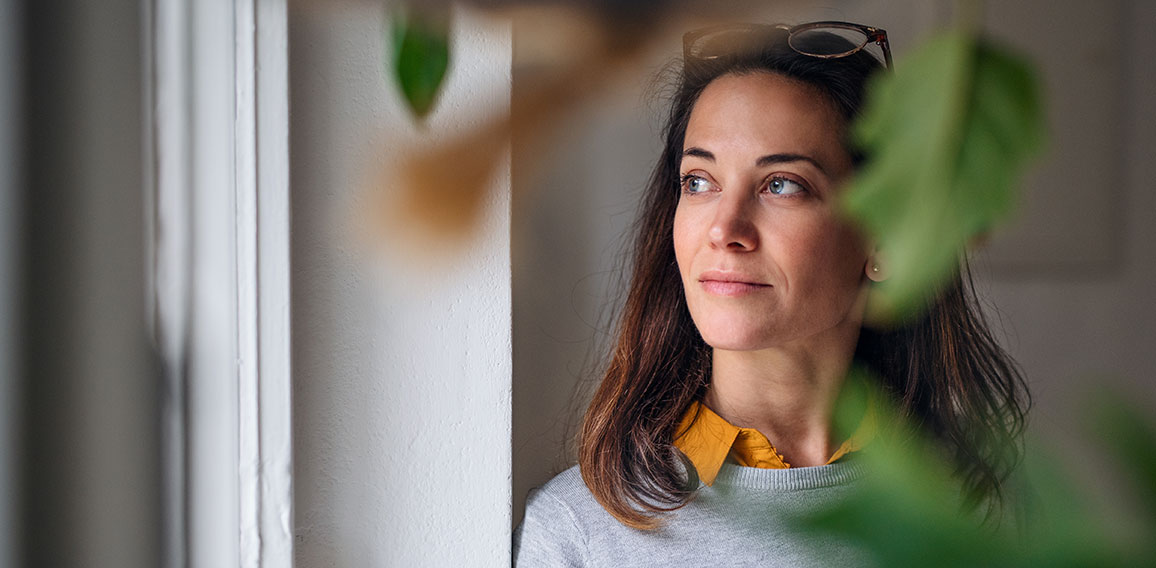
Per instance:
(220,276)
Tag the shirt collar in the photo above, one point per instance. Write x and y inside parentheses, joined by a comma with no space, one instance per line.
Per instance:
(707,439)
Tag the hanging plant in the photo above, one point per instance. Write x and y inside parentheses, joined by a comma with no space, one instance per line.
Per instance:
(420,56)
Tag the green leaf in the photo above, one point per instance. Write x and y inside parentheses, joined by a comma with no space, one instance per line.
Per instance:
(909,510)
(420,57)
(948,135)
(906,512)
(1131,439)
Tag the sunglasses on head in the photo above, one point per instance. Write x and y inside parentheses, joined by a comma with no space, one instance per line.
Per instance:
(813,39)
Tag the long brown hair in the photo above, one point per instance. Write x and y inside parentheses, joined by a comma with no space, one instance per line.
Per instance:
(944,369)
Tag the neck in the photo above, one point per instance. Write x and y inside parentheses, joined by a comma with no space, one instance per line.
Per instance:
(787,393)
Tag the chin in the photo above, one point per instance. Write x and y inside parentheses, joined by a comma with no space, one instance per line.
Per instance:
(735,338)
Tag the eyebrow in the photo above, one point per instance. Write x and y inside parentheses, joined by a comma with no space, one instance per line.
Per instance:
(768,160)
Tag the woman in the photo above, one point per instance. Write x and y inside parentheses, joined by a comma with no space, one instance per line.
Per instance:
(713,424)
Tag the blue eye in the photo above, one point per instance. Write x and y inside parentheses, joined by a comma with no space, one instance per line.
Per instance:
(695,184)
(785,186)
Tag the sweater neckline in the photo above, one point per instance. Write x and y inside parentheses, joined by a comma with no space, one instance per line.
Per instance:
(793,479)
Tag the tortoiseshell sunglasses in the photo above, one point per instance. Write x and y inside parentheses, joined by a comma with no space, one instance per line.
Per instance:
(704,43)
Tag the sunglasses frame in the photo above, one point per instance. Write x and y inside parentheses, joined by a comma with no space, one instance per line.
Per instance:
(874,35)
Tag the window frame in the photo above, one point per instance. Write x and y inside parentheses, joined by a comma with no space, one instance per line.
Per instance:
(218,223)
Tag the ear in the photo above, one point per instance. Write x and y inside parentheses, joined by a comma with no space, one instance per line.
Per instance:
(876,267)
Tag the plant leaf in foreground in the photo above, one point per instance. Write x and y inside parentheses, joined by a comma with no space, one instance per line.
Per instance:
(909,510)
(948,134)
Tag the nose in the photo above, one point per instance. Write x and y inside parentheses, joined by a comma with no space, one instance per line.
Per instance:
(733,227)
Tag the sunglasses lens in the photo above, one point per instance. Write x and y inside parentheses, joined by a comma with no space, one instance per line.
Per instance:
(733,40)
(828,41)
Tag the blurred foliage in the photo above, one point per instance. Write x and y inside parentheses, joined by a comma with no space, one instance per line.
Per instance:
(910,511)
(420,56)
(1133,441)
(947,135)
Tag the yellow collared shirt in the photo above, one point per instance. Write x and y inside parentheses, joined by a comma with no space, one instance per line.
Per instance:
(708,439)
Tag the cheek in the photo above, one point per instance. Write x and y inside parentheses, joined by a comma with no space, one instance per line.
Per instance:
(847,258)
(827,255)
(685,242)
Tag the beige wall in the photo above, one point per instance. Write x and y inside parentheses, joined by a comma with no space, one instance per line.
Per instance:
(1080,328)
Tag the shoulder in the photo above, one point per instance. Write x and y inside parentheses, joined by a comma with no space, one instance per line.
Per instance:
(567,488)
(555,528)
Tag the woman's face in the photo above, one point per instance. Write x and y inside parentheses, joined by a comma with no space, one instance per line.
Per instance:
(764,257)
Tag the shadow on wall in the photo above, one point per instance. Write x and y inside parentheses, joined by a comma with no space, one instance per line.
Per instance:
(570,233)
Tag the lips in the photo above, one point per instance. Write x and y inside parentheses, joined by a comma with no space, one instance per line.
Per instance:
(721,283)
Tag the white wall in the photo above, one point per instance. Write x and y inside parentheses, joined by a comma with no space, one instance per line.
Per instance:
(401,375)
(1091,311)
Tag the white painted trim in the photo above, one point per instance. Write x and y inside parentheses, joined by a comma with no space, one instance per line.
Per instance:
(221,237)
(248,383)
(213,493)
(274,239)
(265,419)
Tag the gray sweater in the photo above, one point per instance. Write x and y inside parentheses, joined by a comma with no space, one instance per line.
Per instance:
(744,519)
